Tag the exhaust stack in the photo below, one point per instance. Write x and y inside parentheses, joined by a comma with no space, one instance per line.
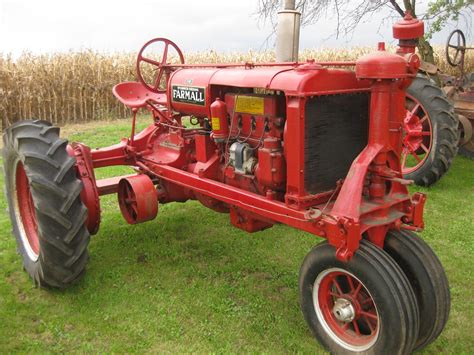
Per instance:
(288,33)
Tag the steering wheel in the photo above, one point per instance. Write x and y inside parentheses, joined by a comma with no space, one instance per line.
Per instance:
(161,66)
(460,48)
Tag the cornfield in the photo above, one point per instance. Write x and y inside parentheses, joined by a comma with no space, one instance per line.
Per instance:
(76,87)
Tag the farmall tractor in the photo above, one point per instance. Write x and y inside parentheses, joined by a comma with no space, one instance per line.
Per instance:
(312,145)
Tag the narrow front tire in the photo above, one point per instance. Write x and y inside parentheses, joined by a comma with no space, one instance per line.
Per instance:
(365,305)
(427,278)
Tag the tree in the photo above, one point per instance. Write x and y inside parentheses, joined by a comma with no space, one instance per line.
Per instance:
(349,14)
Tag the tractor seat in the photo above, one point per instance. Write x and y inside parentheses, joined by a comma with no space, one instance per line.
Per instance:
(136,95)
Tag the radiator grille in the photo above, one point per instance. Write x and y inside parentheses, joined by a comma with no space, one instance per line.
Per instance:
(336,130)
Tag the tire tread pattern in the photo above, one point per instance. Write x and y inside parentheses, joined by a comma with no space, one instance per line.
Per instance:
(408,303)
(405,244)
(444,123)
(60,213)
(374,261)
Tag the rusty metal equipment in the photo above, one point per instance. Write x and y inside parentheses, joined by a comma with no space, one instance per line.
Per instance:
(461,90)
(308,144)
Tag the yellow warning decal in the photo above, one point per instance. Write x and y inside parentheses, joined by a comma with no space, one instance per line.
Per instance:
(216,123)
(250,104)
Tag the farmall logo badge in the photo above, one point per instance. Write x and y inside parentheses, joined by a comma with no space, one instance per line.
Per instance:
(189,95)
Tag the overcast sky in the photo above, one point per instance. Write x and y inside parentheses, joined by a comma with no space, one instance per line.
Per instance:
(124,25)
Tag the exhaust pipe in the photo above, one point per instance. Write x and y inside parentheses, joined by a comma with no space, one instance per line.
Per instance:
(288,33)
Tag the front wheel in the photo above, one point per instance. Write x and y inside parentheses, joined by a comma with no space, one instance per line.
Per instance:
(428,279)
(365,305)
(46,211)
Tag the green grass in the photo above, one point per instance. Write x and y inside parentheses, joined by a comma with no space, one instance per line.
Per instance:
(190,282)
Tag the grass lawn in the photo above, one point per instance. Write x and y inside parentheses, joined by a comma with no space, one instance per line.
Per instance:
(190,282)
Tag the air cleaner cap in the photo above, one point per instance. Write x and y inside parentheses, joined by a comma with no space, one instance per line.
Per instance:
(408,28)
(381,65)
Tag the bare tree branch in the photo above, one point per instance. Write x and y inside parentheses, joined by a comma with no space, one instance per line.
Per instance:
(336,5)
(397,8)
(349,14)
(409,8)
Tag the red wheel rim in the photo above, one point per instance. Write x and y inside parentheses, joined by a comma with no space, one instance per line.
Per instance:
(417,136)
(346,310)
(25,213)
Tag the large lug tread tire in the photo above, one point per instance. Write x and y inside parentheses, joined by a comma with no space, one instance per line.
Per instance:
(444,123)
(55,193)
(389,288)
(427,278)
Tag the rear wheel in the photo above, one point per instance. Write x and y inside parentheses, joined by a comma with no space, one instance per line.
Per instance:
(43,193)
(430,135)
(365,305)
(427,278)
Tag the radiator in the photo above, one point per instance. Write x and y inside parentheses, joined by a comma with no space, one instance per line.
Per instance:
(336,131)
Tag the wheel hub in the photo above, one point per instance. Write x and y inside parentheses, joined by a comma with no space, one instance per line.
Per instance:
(417,136)
(413,132)
(343,310)
(346,309)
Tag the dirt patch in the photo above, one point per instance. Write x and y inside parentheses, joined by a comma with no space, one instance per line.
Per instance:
(22,297)
(142,258)
(261,276)
(15,278)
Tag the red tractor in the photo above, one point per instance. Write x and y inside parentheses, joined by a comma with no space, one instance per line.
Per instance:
(312,145)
